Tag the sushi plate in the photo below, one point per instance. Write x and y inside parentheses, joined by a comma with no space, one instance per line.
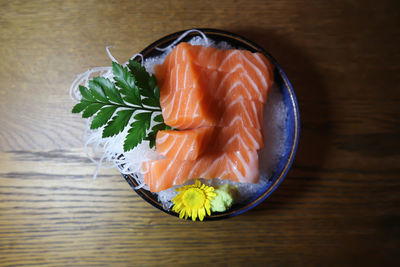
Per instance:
(291,125)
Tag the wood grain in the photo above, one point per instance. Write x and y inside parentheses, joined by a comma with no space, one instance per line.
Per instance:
(339,205)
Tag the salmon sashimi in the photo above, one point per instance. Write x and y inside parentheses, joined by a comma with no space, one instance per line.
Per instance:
(239,166)
(187,101)
(215,98)
(250,113)
(190,144)
(252,68)
(236,138)
(229,60)
(240,70)
(184,145)
(181,53)
(210,112)
(231,85)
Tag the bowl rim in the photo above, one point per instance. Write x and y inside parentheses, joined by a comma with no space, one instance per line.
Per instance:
(146,195)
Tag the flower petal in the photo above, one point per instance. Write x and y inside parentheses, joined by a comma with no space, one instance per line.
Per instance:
(182,213)
(194,214)
(188,212)
(207,205)
(202,214)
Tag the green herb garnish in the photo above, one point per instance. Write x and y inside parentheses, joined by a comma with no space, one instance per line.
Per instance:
(134,93)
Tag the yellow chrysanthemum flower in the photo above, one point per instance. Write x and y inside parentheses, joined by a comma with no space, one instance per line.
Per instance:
(193,201)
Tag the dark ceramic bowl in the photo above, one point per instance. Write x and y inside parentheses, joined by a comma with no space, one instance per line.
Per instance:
(292,128)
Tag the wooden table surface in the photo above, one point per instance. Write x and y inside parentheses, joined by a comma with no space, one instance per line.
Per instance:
(339,204)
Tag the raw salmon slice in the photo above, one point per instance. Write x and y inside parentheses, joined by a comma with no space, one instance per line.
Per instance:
(253,70)
(194,113)
(239,166)
(184,145)
(247,71)
(250,113)
(228,60)
(236,137)
(190,144)
(181,53)
(231,85)
(185,100)
(193,99)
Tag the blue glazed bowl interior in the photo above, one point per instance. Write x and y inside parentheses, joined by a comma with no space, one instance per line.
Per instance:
(292,123)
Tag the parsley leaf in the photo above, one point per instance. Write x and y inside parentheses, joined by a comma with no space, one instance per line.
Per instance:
(92,109)
(97,91)
(80,106)
(118,123)
(125,80)
(138,131)
(109,89)
(102,117)
(86,95)
(113,103)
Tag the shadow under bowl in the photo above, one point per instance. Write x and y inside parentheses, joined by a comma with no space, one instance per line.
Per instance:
(292,124)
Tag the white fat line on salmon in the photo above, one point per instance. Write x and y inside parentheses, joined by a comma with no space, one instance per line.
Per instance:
(258,58)
(230,141)
(171,145)
(185,77)
(234,170)
(176,57)
(187,103)
(195,171)
(183,35)
(259,72)
(181,146)
(215,163)
(252,82)
(241,144)
(236,84)
(178,174)
(244,164)
(179,108)
(191,146)
(245,112)
(169,107)
(168,99)
(183,56)
(166,112)
(190,95)
(239,137)
(169,165)
(253,105)
(254,85)
(161,140)
(239,85)
(225,173)
(196,111)
(214,56)
(226,59)
(177,66)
